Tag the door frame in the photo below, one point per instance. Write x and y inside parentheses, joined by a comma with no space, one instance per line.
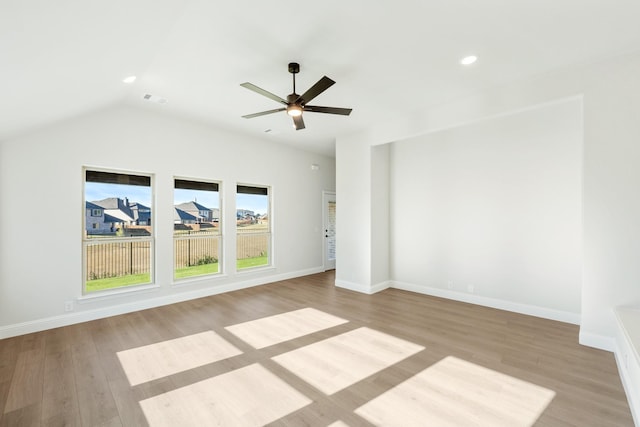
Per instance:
(326,197)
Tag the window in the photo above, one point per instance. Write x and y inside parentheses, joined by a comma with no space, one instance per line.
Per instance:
(253,221)
(118,243)
(196,228)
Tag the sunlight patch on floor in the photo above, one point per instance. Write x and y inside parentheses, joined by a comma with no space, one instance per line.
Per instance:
(283,327)
(247,397)
(338,362)
(170,357)
(454,392)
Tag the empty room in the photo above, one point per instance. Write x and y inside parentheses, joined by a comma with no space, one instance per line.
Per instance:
(338,214)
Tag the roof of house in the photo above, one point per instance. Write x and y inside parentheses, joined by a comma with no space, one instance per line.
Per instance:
(138,206)
(192,206)
(180,215)
(116,207)
(119,215)
(90,205)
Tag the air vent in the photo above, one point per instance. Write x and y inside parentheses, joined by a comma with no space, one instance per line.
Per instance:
(154,98)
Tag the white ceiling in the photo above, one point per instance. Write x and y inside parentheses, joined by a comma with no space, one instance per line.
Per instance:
(59,59)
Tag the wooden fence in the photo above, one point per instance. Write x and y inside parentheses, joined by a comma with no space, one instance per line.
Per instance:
(195,250)
(252,245)
(118,258)
(114,258)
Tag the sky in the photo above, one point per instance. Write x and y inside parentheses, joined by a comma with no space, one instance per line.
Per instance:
(94,191)
(98,191)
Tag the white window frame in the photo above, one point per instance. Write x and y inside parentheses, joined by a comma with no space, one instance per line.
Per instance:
(86,242)
(270,234)
(220,234)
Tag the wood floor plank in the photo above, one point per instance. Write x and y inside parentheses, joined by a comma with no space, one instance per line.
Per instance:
(60,396)
(27,416)
(81,341)
(106,339)
(9,349)
(27,380)
(72,375)
(95,401)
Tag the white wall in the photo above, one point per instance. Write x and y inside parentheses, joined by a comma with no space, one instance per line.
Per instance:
(380,217)
(353,216)
(610,90)
(41,193)
(495,206)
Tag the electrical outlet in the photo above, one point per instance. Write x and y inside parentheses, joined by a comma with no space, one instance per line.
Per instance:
(68,306)
(471,289)
(449,284)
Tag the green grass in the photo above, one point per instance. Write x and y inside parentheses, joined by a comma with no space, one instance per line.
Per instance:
(196,270)
(180,273)
(117,282)
(252,262)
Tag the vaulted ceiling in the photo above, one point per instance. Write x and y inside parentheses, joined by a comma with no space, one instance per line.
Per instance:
(60,59)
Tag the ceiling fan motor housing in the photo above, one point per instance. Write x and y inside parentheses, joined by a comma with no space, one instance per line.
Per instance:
(294,67)
(292,98)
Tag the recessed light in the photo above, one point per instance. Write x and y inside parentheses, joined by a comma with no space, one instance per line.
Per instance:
(129,79)
(468,60)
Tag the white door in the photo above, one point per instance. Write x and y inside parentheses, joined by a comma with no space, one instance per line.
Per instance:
(329,235)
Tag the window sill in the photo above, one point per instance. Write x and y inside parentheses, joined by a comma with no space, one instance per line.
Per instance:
(245,271)
(115,293)
(197,280)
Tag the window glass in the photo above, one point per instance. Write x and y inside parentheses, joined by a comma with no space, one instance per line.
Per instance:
(253,222)
(196,228)
(118,230)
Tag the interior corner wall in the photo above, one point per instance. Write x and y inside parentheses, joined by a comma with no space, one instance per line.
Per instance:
(362,174)
(493,210)
(41,185)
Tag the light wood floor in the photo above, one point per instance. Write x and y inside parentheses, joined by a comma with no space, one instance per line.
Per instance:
(73,376)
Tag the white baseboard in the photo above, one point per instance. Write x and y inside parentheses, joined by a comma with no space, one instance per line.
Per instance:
(380,286)
(363,289)
(128,307)
(601,342)
(531,310)
(357,287)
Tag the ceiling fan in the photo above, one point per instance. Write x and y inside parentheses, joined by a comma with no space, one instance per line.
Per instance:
(296,104)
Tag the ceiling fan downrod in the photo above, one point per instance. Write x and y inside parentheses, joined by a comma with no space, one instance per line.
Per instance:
(294,68)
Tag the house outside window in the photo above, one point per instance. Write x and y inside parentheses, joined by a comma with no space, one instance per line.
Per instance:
(117,246)
(197,236)
(253,226)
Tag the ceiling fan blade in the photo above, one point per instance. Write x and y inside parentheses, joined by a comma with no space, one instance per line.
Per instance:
(328,110)
(263,113)
(263,92)
(298,122)
(315,90)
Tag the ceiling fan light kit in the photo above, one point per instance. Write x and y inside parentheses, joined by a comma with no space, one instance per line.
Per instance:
(294,110)
(295,104)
